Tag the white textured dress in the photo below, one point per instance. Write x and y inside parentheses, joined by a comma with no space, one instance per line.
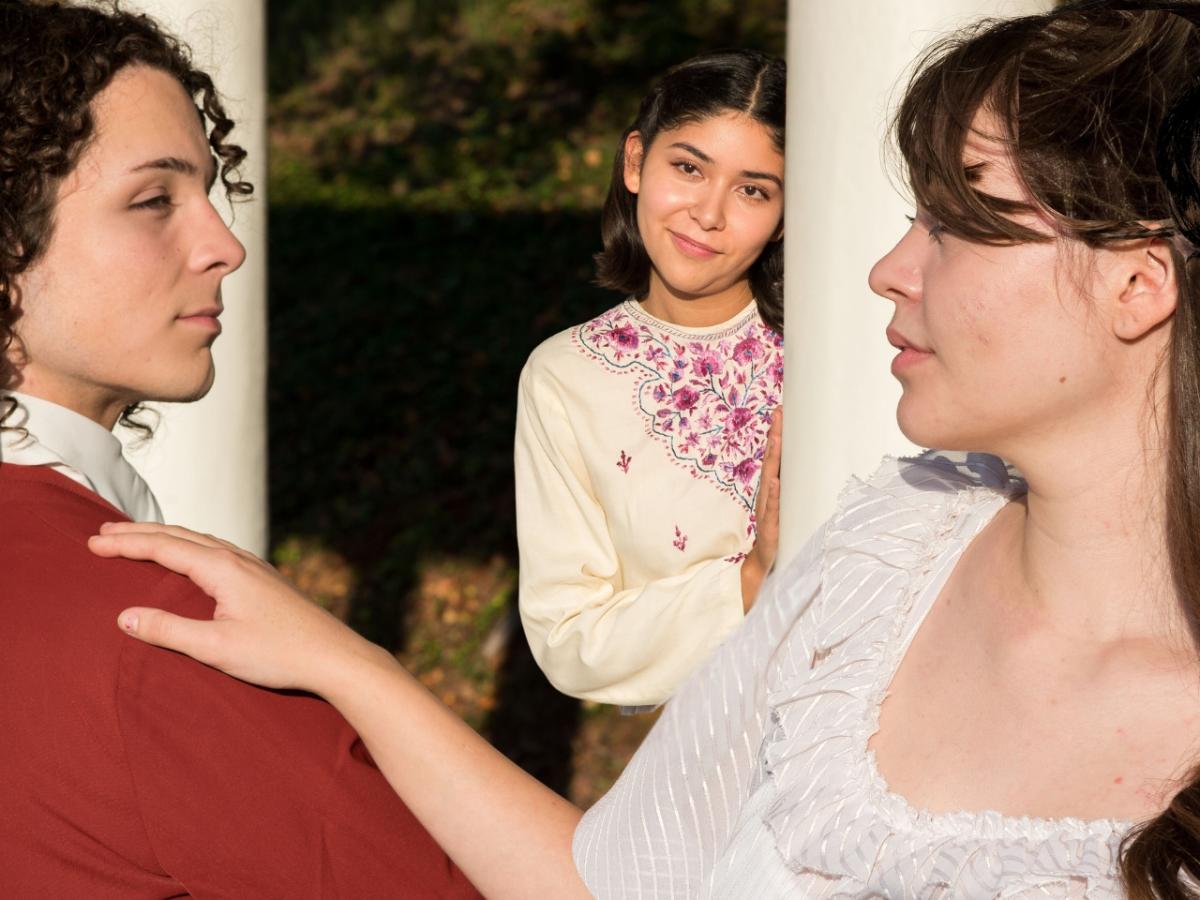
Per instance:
(757,782)
(638,452)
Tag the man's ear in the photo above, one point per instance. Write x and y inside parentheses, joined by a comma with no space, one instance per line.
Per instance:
(1146,289)
(633,162)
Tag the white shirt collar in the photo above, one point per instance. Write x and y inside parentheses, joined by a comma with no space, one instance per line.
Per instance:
(41,433)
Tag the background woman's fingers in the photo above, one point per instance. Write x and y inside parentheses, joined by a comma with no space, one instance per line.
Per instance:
(772,513)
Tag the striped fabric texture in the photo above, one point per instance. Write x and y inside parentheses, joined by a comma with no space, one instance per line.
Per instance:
(757,782)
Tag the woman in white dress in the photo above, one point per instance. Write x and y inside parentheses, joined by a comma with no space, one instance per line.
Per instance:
(646,463)
(969,683)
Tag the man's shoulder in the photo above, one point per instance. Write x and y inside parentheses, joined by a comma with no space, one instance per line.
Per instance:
(45,522)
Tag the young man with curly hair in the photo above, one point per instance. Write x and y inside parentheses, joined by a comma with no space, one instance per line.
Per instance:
(127,772)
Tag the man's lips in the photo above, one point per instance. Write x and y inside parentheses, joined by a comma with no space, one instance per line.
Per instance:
(206,318)
(691,246)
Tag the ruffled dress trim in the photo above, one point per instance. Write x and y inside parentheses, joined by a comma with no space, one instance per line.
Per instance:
(889,549)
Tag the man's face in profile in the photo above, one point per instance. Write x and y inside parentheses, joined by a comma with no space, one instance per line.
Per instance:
(123,305)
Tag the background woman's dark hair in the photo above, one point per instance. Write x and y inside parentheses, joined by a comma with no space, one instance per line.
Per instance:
(54,59)
(743,81)
(1080,97)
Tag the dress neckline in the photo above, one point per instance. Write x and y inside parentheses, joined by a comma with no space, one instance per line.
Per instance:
(974,510)
(716,331)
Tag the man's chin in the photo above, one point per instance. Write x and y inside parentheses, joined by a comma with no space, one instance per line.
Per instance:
(184,393)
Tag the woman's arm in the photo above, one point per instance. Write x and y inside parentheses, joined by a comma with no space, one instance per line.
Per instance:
(595,632)
(510,834)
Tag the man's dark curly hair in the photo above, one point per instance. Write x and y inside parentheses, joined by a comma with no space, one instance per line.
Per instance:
(55,57)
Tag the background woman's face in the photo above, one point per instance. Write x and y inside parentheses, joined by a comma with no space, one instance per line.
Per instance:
(122,306)
(710,197)
(999,342)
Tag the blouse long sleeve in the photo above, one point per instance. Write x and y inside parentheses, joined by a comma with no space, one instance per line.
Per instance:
(684,789)
(638,450)
(596,632)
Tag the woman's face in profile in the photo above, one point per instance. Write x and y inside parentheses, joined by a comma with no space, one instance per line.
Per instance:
(997,343)
(710,197)
(123,304)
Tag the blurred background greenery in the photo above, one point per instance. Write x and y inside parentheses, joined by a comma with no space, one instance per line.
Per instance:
(437,170)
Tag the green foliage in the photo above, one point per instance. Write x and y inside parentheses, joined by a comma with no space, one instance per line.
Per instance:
(502,105)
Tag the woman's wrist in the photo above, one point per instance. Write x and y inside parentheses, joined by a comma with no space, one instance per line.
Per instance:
(344,673)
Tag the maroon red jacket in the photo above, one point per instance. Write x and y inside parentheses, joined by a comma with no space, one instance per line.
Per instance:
(133,772)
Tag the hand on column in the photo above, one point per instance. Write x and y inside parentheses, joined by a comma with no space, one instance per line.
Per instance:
(757,565)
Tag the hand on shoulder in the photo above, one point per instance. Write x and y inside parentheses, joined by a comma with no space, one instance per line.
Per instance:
(263,630)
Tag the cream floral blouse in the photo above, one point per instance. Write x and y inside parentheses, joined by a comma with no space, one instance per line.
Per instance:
(758,783)
(638,452)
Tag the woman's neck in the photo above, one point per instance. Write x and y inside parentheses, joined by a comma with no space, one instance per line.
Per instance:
(1090,546)
(695,311)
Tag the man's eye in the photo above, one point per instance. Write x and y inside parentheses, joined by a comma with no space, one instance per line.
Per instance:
(162,201)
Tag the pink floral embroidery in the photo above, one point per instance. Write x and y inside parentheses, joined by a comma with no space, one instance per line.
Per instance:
(624,461)
(707,398)
(738,557)
(680,542)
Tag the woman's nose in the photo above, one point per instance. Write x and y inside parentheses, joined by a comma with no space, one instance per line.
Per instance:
(709,210)
(897,275)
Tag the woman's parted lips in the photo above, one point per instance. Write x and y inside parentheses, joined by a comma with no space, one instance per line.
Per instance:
(900,342)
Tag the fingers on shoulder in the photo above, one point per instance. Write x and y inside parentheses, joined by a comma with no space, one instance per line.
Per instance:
(165,629)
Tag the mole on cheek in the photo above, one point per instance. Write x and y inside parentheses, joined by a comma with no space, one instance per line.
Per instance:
(1118,780)
(1062,379)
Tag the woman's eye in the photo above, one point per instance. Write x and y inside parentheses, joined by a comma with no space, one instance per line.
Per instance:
(936,230)
(755,192)
(687,168)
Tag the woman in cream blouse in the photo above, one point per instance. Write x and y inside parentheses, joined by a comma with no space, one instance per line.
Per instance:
(644,435)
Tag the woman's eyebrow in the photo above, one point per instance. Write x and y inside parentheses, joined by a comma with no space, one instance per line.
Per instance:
(745,173)
(762,176)
(699,154)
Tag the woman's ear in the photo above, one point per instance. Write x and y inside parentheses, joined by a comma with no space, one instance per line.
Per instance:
(633,162)
(1147,291)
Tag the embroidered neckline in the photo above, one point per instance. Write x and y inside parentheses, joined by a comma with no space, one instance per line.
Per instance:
(706,397)
(701,333)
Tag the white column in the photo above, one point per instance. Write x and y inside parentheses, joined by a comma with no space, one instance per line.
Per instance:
(207,462)
(847,64)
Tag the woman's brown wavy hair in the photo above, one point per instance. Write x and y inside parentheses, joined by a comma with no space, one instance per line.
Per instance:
(1081,96)
(55,57)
